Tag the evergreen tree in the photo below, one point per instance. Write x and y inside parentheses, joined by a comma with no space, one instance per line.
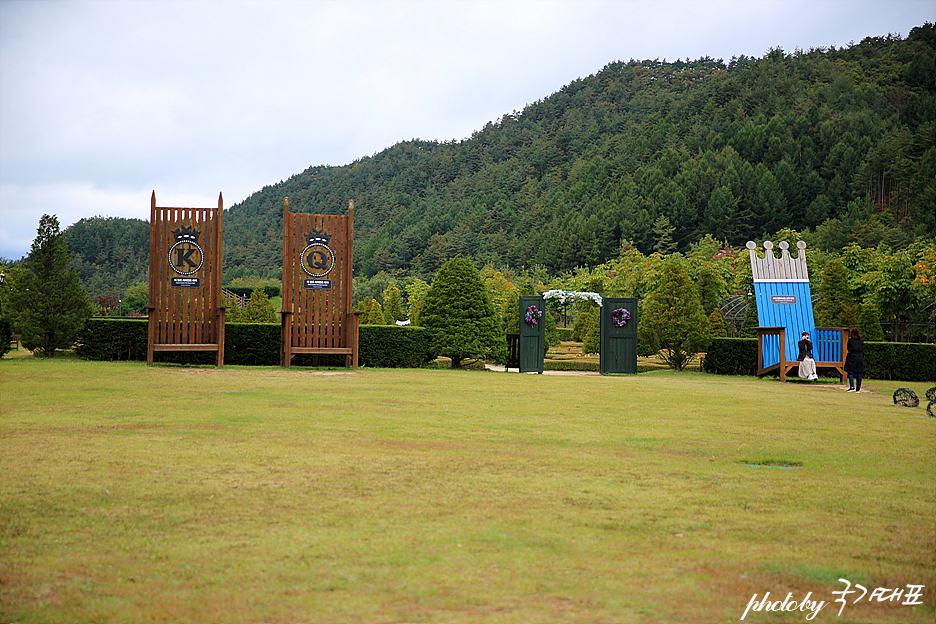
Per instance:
(373,313)
(869,322)
(415,296)
(46,303)
(461,316)
(675,316)
(663,232)
(259,309)
(835,306)
(717,327)
(750,321)
(392,305)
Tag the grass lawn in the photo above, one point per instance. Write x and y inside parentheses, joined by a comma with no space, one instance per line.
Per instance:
(261,495)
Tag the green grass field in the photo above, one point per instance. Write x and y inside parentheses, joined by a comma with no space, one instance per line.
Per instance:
(260,495)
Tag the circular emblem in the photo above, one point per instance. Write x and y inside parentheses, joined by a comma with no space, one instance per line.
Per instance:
(188,259)
(317,260)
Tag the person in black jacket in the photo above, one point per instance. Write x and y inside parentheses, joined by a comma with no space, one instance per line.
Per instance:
(854,361)
(807,365)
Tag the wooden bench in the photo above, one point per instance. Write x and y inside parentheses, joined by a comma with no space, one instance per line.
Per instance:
(828,350)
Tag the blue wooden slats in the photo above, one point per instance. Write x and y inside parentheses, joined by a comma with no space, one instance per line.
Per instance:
(789,305)
(827,345)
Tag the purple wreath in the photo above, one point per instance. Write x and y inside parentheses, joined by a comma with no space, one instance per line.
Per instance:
(532,316)
(620,317)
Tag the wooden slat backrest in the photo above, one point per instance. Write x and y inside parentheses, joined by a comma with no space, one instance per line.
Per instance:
(186,305)
(317,276)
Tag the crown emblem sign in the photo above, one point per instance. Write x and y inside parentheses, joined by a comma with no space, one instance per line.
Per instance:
(318,236)
(185,234)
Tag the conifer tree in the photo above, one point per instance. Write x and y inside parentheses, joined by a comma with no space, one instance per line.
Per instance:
(259,309)
(373,313)
(415,296)
(717,327)
(46,303)
(674,315)
(392,306)
(663,231)
(835,306)
(461,316)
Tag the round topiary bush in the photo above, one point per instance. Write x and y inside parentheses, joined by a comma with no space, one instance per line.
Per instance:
(906,397)
(931,394)
(931,409)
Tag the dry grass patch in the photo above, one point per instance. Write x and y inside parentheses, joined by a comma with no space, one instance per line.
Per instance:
(167,494)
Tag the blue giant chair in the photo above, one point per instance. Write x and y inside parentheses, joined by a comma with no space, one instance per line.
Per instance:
(784,311)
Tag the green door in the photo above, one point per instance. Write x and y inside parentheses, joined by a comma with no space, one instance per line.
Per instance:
(532,333)
(618,335)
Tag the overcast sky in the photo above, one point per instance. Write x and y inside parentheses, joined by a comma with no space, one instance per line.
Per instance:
(103,102)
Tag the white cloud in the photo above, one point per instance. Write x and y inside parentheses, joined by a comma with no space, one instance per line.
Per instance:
(102,102)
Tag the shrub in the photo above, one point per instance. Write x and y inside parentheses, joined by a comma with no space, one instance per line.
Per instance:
(731,356)
(899,361)
(462,318)
(570,365)
(253,344)
(6,336)
(902,361)
(565,333)
(393,346)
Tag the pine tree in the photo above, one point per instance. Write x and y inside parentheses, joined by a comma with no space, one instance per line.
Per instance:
(259,309)
(46,303)
(835,306)
(373,313)
(717,327)
(674,315)
(461,316)
(392,306)
(663,231)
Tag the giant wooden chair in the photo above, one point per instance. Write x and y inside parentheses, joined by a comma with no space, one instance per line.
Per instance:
(186,308)
(317,316)
(784,311)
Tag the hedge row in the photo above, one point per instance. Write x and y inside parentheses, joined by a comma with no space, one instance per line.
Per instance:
(246,291)
(254,344)
(587,366)
(565,333)
(900,361)
(731,356)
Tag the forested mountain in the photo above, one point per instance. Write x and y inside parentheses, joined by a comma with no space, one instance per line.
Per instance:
(109,253)
(837,142)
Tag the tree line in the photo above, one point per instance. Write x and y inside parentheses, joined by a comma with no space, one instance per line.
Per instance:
(648,157)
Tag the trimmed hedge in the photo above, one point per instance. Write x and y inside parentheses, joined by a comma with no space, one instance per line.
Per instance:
(731,356)
(565,333)
(253,344)
(246,291)
(394,346)
(899,361)
(587,366)
(570,365)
